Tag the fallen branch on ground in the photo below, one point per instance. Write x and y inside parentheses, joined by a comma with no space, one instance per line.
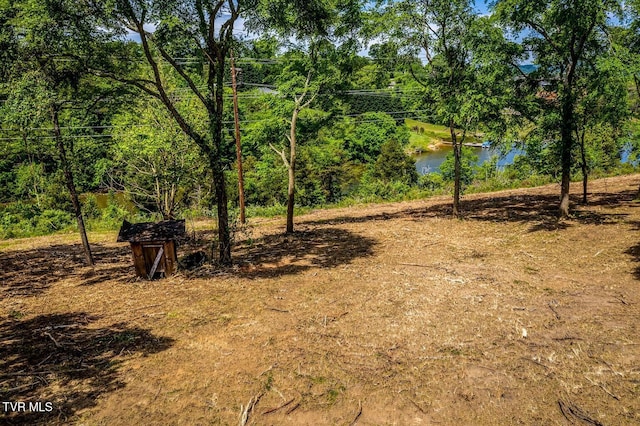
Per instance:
(355,420)
(273,410)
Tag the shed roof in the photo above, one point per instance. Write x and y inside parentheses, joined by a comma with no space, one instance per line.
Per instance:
(150,231)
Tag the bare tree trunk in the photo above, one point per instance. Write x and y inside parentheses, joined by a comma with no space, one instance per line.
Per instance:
(457,154)
(292,171)
(68,174)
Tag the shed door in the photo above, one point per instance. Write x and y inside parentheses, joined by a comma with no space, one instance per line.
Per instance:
(150,252)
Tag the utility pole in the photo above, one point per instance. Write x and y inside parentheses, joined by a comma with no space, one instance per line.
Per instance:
(238,146)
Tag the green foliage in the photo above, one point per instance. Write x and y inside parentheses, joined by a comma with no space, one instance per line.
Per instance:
(153,161)
(467,169)
(369,132)
(349,147)
(52,220)
(522,167)
(19,220)
(488,169)
(265,180)
(375,190)
(394,165)
(431,181)
(325,173)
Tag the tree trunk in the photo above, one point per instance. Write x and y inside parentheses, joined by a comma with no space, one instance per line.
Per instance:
(224,234)
(292,171)
(217,167)
(585,171)
(457,154)
(68,174)
(566,141)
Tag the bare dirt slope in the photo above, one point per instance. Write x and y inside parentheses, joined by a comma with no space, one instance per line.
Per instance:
(386,314)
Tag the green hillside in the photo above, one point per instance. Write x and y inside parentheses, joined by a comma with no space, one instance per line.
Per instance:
(430,135)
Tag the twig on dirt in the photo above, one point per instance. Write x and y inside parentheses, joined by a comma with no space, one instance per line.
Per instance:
(553,310)
(570,408)
(624,302)
(21,387)
(432,244)
(416,264)
(417,406)
(617,373)
(566,338)
(54,340)
(355,420)
(278,392)
(37,373)
(536,362)
(561,405)
(276,309)
(268,369)
(340,316)
(273,410)
(44,360)
(53,327)
(292,409)
(245,412)
(598,253)
(617,398)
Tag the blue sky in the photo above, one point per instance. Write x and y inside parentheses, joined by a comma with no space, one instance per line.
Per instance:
(482,6)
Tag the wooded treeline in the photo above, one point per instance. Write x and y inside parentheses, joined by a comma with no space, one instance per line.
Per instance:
(133,98)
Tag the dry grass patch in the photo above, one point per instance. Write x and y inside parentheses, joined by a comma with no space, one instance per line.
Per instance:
(386,314)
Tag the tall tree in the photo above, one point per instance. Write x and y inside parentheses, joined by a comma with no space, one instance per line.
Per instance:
(599,121)
(318,31)
(169,31)
(564,38)
(300,81)
(462,86)
(203,31)
(51,38)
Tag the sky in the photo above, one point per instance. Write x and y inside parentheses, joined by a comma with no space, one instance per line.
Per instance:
(480,6)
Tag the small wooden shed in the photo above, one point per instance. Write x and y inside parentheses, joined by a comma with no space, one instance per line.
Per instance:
(153,246)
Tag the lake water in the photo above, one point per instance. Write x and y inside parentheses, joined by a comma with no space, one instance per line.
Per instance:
(429,162)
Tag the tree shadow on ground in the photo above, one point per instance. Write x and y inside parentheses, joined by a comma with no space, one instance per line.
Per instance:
(634,251)
(540,211)
(279,254)
(31,272)
(62,359)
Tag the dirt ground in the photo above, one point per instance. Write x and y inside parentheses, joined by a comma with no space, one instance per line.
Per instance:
(390,314)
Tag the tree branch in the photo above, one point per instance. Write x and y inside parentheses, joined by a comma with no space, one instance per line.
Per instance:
(281,154)
(140,83)
(538,28)
(163,95)
(182,73)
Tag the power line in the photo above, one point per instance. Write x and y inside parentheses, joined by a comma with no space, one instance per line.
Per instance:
(224,122)
(226,129)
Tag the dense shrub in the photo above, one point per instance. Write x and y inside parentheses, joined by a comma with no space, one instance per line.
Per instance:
(431,181)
